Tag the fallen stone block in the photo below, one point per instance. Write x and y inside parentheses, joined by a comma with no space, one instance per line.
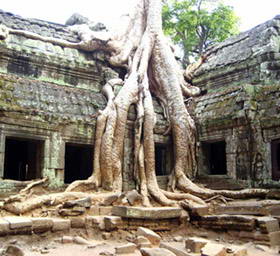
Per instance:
(175,249)
(19,225)
(195,244)
(95,222)
(142,242)
(237,251)
(153,237)
(268,224)
(147,213)
(112,223)
(4,227)
(84,203)
(81,240)
(78,222)
(18,222)
(67,239)
(61,225)
(13,250)
(133,197)
(156,252)
(40,225)
(213,249)
(111,199)
(127,248)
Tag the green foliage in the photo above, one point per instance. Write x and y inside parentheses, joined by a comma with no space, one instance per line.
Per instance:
(196,24)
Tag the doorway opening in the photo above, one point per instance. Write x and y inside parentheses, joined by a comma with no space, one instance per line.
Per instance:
(78,162)
(215,157)
(23,159)
(275,158)
(162,160)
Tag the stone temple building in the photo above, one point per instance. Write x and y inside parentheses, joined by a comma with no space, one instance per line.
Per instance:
(50,96)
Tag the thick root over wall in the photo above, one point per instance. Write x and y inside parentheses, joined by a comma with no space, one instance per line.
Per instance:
(151,70)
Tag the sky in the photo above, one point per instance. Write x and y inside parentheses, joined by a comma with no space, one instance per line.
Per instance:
(251,12)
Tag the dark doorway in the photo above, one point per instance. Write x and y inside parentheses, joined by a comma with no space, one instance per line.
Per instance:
(162,160)
(78,162)
(215,156)
(23,159)
(275,158)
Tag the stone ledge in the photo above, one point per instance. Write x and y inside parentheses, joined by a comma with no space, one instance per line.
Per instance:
(154,213)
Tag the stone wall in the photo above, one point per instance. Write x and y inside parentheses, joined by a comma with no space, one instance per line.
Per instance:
(241,104)
(50,96)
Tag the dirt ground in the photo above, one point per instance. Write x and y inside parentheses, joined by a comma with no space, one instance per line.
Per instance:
(50,244)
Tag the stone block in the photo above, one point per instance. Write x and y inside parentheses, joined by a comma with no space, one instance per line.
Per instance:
(93,210)
(153,237)
(195,244)
(67,239)
(95,222)
(127,248)
(61,225)
(268,224)
(19,225)
(4,227)
(175,249)
(40,225)
(156,252)
(228,222)
(78,222)
(112,223)
(19,222)
(105,210)
(213,249)
(147,213)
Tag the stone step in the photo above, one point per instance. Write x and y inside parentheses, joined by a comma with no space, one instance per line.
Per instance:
(154,213)
(219,182)
(247,207)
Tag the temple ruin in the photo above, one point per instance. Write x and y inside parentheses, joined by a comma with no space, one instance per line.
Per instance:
(50,97)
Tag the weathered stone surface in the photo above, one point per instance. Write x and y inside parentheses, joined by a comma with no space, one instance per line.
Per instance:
(13,250)
(195,244)
(105,210)
(19,222)
(112,223)
(80,240)
(228,222)
(41,224)
(85,203)
(78,222)
(75,211)
(147,213)
(175,248)
(156,252)
(153,237)
(4,227)
(133,197)
(111,199)
(127,248)
(268,224)
(264,207)
(213,249)
(67,239)
(61,225)
(95,222)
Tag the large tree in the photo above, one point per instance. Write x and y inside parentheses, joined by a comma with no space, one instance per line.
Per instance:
(196,24)
(151,70)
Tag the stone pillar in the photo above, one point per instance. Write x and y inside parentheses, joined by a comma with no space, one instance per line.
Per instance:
(54,160)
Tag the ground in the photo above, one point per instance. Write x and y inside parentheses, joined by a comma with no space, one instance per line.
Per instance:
(48,243)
